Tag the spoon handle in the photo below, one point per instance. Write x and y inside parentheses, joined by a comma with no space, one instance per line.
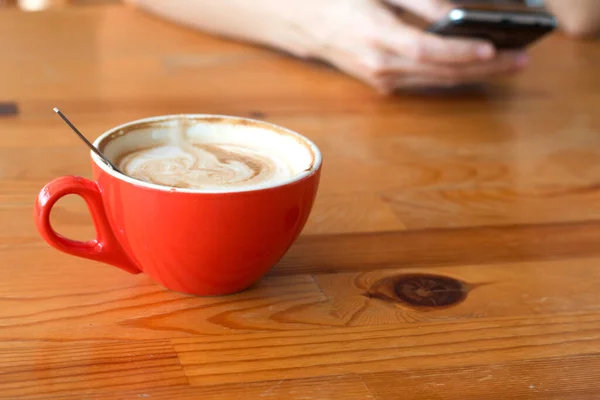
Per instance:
(90,145)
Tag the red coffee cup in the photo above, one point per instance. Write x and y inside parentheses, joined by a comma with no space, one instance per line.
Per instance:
(193,241)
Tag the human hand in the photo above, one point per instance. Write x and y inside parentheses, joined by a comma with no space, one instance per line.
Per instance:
(367,40)
(364,38)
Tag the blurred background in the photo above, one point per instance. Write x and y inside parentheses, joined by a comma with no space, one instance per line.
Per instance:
(38,5)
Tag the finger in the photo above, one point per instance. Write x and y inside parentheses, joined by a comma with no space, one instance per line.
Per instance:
(410,82)
(415,82)
(506,62)
(435,76)
(432,10)
(422,46)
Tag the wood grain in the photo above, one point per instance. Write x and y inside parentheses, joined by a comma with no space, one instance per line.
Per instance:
(58,368)
(369,214)
(494,291)
(108,305)
(529,379)
(372,349)
(330,388)
(317,254)
(495,188)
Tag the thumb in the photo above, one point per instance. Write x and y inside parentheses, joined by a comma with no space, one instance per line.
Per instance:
(431,10)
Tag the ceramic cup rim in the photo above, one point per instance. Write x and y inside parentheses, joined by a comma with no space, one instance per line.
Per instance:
(211,118)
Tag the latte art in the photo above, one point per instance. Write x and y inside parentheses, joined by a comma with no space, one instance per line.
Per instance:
(208,154)
(204,166)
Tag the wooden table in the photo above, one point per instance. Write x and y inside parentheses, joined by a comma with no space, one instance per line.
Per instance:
(453,252)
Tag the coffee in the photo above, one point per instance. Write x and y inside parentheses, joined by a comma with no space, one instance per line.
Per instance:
(189,154)
(199,166)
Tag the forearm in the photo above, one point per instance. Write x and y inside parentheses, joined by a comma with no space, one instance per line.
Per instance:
(266,22)
(580,18)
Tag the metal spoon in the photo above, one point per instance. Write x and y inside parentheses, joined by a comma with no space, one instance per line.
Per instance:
(90,145)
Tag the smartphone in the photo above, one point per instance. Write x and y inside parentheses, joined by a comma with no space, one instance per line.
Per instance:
(507,30)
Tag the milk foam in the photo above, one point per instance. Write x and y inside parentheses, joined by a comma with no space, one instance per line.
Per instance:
(193,154)
(205,166)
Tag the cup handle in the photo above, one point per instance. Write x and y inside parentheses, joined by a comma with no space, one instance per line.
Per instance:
(105,247)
